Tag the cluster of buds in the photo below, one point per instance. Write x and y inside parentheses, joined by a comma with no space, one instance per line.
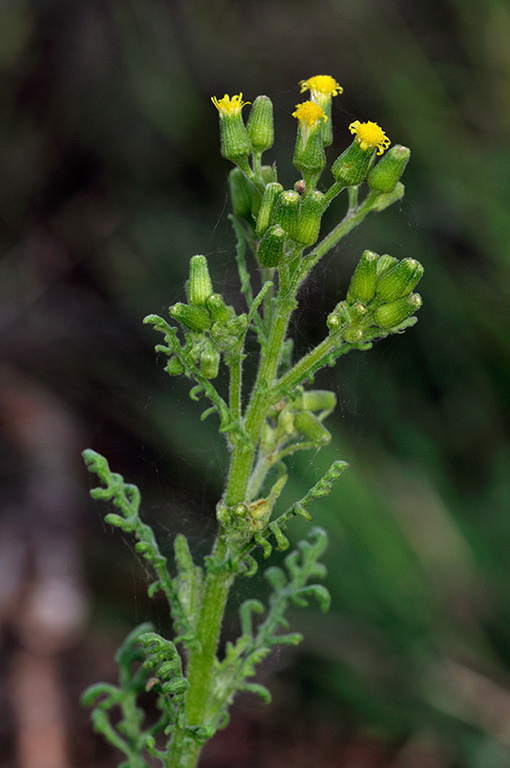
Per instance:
(211,326)
(380,298)
(284,221)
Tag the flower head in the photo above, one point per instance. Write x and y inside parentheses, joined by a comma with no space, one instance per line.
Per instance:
(309,154)
(309,113)
(235,142)
(321,87)
(370,135)
(229,106)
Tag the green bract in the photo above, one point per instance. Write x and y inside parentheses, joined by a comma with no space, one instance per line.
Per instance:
(278,234)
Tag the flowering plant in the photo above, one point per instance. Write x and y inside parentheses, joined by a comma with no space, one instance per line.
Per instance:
(192,683)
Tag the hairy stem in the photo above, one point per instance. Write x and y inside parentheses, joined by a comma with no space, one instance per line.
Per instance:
(201,657)
(244,452)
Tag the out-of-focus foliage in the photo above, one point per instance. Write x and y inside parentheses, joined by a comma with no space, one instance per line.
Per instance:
(110,179)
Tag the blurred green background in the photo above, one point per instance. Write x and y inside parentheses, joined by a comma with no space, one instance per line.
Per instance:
(110,180)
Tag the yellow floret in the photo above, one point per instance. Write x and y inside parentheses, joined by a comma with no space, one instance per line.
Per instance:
(325,85)
(308,113)
(370,135)
(229,106)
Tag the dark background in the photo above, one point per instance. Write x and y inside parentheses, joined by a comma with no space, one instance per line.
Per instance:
(110,180)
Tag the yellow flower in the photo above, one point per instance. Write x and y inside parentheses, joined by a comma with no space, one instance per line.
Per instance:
(229,106)
(309,151)
(370,135)
(309,113)
(321,87)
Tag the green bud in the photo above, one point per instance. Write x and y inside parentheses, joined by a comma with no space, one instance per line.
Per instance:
(357,313)
(241,192)
(199,286)
(195,318)
(353,335)
(271,250)
(351,168)
(174,366)
(286,212)
(217,308)
(310,215)
(286,422)
(235,142)
(339,318)
(384,200)
(309,156)
(318,400)
(385,263)
(269,173)
(269,198)
(400,280)
(392,315)
(384,176)
(267,435)
(363,281)
(260,124)
(268,176)
(310,426)
(210,363)
(223,513)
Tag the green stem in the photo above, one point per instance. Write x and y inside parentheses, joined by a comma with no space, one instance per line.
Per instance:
(244,452)
(235,363)
(332,192)
(308,364)
(257,167)
(201,657)
(173,758)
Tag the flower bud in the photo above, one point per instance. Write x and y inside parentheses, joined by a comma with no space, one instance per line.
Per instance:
(217,308)
(384,176)
(339,318)
(310,426)
(271,193)
(195,318)
(353,335)
(385,263)
(271,250)
(260,124)
(269,173)
(363,281)
(318,400)
(199,286)
(391,315)
(357,312)
(286,212)
(241,191)
(309,155)
(354,332)
(351,168)
(311,209)
(235,142)
(268,176)
(400,280)
(210,363)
